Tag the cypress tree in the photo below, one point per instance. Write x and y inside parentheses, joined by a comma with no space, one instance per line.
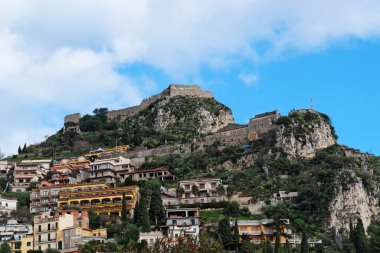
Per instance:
(360,241)
(277,245)
(352,232)
(24,149)
(224,232)
(288,249)
(304,243)
(141,216)
(19,150)
(236,234)
(5,248)
(375,239)
(269,247)
(156,208)
(124,210)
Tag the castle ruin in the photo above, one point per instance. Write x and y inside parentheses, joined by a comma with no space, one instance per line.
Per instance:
(172,91)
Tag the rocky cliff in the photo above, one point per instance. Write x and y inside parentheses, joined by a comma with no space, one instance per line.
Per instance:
(304,132)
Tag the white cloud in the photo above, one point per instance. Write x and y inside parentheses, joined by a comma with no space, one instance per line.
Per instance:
(248,79)
(60,56)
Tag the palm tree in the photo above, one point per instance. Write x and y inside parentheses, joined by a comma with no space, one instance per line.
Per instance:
(195,190)
(179,191)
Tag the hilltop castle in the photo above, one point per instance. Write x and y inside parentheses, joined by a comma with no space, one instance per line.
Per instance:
(172,91)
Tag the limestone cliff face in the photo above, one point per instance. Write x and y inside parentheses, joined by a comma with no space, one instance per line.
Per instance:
(351,201)
(205,114)
(302,133)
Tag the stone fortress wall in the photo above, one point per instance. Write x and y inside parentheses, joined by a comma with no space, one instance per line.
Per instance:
(172,91)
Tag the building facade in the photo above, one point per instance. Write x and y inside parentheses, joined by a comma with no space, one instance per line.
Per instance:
(22,244)
(7,205)
(207,190)
(162,173)
(262,230)
(111,170)
(182,222)
(27,172)
(99,197)
(44,199)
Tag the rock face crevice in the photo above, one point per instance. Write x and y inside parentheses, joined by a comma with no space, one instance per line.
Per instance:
(351,201)
(304,134)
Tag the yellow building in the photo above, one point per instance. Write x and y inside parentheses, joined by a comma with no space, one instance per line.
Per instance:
(72,237)
(99,197)
(22,245)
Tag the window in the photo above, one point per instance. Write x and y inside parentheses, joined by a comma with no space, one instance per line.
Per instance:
(18,245)
(28,244)
(174,222)
(39,228)
(49,226)
(39,238)
(49,237)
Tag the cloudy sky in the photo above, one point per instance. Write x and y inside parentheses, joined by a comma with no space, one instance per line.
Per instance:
(61,57)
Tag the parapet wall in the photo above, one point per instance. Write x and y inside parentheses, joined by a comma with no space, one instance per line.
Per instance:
(172,91)
(72,118)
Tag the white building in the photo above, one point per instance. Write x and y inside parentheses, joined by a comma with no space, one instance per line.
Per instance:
(151,237)
(7,205)
(4,168)
(13,230)
(29,171)
(110,170)
(182,221)
(207,190)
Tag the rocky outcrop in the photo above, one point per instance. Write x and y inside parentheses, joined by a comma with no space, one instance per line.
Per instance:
(351,201)
(206,114)
(304,132)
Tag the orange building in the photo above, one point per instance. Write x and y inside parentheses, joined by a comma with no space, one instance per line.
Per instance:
(262,230)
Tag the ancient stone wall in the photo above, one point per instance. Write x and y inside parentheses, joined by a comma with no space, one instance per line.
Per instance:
(74,118)
(188,90)
(262,123)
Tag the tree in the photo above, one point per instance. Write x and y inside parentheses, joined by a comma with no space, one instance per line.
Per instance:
(304,243)
(224,231)
(236,235)
(19,150)
(352,232)
(24,149)
(232,209)
(247,247)
(141,215)
(220,190)
(269,247)
(179,191)
(360,241)
(124,210)
(374,242)
(195,190)
(277,245)
(51,251)
(230,191)
(288,249)
(156,208)
(5,248)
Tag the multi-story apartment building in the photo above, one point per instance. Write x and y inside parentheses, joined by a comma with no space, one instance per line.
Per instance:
(70,238)
(182,221)
(151,237)
(262,230)
(98,196)
(162,173)
(22,244)
(110,170)
(49,227)
(207,190)
(44,199)
(29,171)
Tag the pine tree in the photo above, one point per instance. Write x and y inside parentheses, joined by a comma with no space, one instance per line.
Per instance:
(224,232)
(124,210)
(304,243)
(236,235)
(156,208)
(360,241)
(19,150)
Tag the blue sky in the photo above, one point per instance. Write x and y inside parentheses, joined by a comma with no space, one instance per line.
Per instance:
(254,55)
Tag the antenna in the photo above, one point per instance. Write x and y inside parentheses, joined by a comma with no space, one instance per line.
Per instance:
(311,104)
